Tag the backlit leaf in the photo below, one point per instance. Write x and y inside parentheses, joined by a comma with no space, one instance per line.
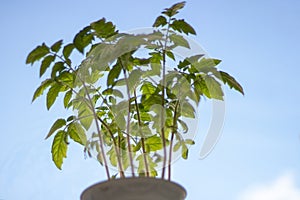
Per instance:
(56,46)
(183,125)
(77,133)
(58,67)
(83,39)
(231,82)
(205,64)
(46,63)
(184,151)
(189,141)
(170,55)
(57,125)
(134,78)
(68,50)
(103,29)
(214,88)
(37,53)
(113,74)
(52,95)
(86,116)
(112,157)
(188,110)
(189,60)
(160,21)
(39,91)
(173,10)
(67,98)
(154,143)
(66,78)
(179,40)
(182,26)
(177,146)
(59,148)
(148,88)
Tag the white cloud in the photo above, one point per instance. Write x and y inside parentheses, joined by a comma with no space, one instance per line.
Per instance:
(283,188)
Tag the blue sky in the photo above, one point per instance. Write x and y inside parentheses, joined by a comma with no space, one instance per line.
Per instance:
(259,150)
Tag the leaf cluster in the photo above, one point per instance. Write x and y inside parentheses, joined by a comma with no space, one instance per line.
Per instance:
(128,109)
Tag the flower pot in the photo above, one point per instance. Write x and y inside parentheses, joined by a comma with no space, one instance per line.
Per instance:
(134,189)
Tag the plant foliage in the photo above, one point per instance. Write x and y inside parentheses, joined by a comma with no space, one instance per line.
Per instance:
(129,109)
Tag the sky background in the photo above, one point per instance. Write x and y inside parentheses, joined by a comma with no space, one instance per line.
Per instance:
(258,154)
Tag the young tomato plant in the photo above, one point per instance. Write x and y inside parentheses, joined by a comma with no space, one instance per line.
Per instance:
(131,95)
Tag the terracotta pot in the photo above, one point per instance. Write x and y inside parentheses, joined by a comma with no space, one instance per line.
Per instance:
(134,189)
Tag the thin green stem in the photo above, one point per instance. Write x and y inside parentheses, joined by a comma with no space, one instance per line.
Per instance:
(95,117)
(163,102)
(128,120)
(171,140)
(121,170)
(98,131)
(142,135)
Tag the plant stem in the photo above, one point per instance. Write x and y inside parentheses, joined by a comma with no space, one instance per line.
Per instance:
(163,102)
(128,120)
(98,131)
(94,114)
(121,170)
(142,135)
(171,142)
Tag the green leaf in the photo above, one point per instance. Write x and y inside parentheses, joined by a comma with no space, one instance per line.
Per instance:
(154,143)
(184,151)
(179,40)
(67,98)
(189,60)
(67,79)
(151,165)
(114,92)
(188,110)
(56,46)
(117,93)
(134,79)
(57,125)
(39,91)
(58,67)
(68,50)
(104,29)
(46,63)
(231,82)
(145,116)
(71,118)
(77,133)
(137,147)
(183,125)
(86,116)
(141,164)
(113,74)
(173,10)
(170,55)
(214,88)
(182,26)
(200,87)
(59,148)
(37,53)
(148,88)
(160,21)
(189,141)
(52,95)
(83,39)
(153,99)
(112,157)
(206,64)
(177,146)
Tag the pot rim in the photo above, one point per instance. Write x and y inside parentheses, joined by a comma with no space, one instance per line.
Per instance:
(139,180)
